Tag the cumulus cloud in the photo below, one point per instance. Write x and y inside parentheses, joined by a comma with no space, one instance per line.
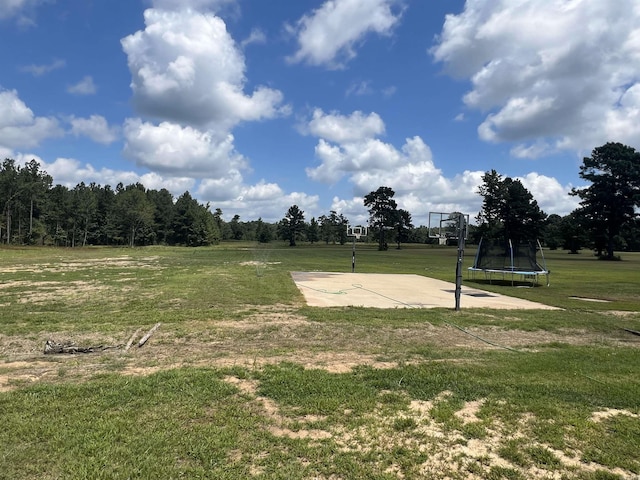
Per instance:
(188,74)
(341,129)
(186,68)
(329,36)
(86,86)
(96,128)
(69,172)
(19,127)
(173,149)
(262,200)
(348,147)
(552,197)
(551,75)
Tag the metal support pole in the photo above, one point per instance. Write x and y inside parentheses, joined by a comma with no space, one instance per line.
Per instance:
(461,235)
(353,256)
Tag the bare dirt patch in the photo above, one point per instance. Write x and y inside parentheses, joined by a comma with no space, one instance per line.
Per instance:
(609,413)
(280,423)
(150,262)
(468,413)
(60,291)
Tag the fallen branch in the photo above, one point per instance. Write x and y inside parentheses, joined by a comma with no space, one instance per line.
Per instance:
(144,339)
(51,347)
(133,337)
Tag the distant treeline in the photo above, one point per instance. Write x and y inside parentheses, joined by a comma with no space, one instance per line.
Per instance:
(36,212)
(33,211)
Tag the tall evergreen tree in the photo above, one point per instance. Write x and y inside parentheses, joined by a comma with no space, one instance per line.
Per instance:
(509,211)
(611,200)
(313,232)
(8,196)
(294,224)
(162,201)
(382,208)
(33,185)
(403,226)
(58,214)
(135,213)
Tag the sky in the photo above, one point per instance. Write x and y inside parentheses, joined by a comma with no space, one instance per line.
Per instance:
(253,105)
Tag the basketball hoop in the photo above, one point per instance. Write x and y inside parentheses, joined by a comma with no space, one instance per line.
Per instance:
(355,233)
(444,226)
(449,226)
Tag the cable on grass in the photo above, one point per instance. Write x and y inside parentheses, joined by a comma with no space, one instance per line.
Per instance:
(482,339)
(408,305)
(322,290)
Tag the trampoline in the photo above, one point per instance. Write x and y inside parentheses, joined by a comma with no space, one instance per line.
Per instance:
(508,260)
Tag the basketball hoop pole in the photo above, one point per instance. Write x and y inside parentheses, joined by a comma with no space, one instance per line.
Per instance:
(353,255)
(461,235)
(355,233)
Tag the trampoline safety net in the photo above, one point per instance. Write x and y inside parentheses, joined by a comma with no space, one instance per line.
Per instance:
(509,258)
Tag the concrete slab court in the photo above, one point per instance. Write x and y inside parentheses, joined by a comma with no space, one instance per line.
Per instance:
(331,289)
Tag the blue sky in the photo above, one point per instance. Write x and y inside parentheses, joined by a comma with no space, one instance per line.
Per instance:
(257,105)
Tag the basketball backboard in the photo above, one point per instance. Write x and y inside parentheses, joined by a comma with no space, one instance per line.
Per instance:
(445,226)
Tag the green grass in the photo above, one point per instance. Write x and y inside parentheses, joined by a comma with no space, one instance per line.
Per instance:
(238,382)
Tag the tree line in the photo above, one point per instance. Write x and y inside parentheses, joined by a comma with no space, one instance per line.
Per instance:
(34,211)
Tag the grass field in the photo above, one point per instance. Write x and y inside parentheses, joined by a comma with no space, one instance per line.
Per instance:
(242,380)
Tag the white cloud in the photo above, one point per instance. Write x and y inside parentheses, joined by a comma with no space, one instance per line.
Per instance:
(189,74)
(342,129)
(69,172)
(564,74)
(186,68)
(552,197)
(359,89)
(171,148)
(533,150)
(189,4)
(6,152)
(222,188)
(39,70)
(20,9)
(19,127)
(348,147)
(256,36)
(265,200)
(330,35)
(95,127)
(83,87)
(176,185)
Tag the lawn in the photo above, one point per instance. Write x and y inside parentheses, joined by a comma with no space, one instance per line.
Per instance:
(242,380)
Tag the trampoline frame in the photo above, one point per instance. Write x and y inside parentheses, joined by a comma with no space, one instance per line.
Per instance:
(526,274)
